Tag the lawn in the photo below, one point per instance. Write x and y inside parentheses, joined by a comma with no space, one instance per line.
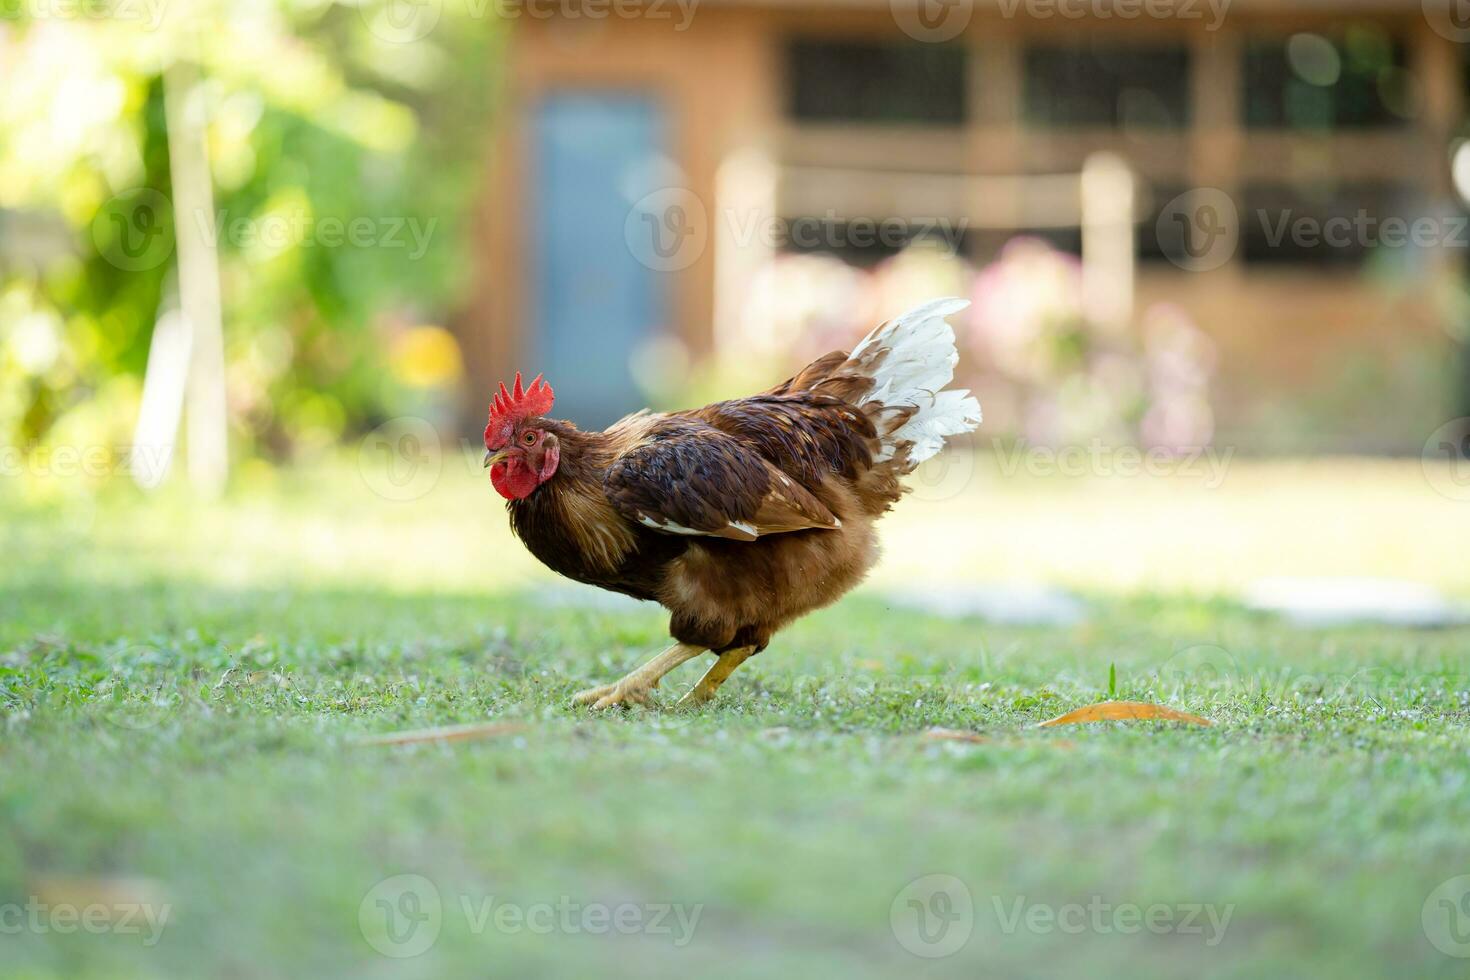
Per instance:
(187,694)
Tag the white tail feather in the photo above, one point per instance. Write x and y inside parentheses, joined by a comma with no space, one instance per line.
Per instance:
(910,359)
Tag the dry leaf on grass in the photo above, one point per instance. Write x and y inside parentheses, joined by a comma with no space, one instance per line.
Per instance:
(1123,711)
(449,733)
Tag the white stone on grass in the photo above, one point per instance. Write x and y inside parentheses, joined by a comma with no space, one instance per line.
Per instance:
(1343,601)
(1015,604)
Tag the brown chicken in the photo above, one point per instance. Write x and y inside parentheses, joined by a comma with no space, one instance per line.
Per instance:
(740,516)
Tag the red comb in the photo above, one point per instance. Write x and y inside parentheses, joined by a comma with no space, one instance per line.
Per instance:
(510,407)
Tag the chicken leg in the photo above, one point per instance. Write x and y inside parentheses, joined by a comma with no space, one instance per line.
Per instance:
(637,686)
(718,673)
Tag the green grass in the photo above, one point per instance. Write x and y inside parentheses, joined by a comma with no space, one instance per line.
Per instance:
(181,689)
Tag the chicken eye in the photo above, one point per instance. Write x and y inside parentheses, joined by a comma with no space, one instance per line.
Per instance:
(529,438)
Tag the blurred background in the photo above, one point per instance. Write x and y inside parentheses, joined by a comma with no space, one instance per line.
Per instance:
(263,262)
(241,239)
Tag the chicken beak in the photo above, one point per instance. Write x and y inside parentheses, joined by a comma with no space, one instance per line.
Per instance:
(491,458)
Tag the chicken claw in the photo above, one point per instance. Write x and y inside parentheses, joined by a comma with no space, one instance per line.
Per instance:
(619,695)
(637,687)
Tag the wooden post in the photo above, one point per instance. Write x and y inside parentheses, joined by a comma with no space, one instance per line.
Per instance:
(1107,241)
(199,288)
(1217,129)
(745,200)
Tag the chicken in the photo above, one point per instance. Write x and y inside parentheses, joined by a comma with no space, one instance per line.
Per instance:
(740,516)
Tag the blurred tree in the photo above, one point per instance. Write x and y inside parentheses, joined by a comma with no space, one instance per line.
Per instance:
(346,143)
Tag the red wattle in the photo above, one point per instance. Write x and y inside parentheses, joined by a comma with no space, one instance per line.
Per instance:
(513,479)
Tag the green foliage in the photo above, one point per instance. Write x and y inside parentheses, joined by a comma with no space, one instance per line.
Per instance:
(346,150)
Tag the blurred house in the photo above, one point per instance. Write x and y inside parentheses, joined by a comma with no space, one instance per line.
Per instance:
(653,156)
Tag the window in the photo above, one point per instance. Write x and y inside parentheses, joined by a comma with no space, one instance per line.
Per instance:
(1152,246)
(1311,81)
(1333,225)
(1110,85)
(865,242)
(863,82)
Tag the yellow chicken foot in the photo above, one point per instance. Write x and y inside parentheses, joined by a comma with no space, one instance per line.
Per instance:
(637,686)
(718,673)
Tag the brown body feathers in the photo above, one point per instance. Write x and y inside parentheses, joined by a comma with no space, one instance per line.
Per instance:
(743,515)
(737,517)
